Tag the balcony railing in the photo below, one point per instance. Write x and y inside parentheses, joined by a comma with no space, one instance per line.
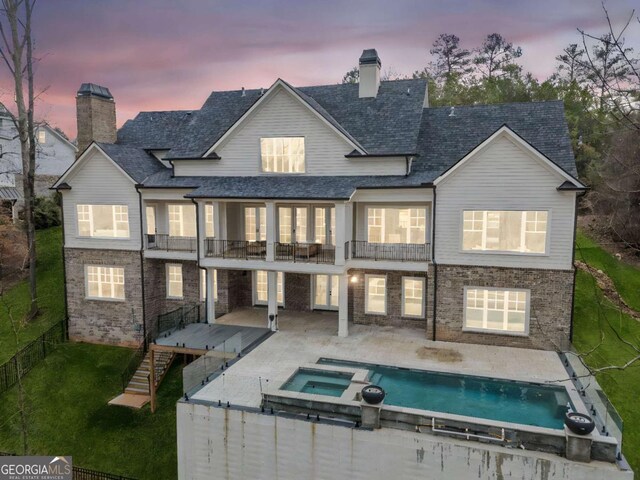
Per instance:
(399,252)
(162,241)
(305,252)
(239,249)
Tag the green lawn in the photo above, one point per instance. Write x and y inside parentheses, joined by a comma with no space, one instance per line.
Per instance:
(68,414)
(50,288)
(593,315)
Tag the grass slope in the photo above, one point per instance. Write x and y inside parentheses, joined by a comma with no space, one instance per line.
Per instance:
(50,289)
(68,414)
(593,316)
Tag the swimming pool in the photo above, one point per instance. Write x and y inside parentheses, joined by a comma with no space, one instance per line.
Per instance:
(319,382)
(481,397)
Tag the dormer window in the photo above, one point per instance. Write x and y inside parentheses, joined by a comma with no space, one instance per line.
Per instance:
(282,154)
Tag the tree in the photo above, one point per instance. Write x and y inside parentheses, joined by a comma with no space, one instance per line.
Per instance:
(450,59)
(571,64)
(496,56)
(16,49)
(352,76)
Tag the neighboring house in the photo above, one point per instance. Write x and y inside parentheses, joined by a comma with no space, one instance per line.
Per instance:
(355,198)
(54,155)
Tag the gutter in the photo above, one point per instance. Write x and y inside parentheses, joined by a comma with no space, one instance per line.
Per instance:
(64,267)
(435,265)
(573,263)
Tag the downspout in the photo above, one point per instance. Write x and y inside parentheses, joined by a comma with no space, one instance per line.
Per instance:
(206,310)
(144,314)
(433,261)
(573,265)
(64,266)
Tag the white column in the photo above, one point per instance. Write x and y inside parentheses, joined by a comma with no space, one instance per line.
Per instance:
(271,230)
(341,226)
(343,306)
(202,222)
(211,302)
(272,298)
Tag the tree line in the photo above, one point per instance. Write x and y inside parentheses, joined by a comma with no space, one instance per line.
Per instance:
(597,78)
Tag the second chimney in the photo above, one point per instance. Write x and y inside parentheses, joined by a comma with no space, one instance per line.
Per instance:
(96,115)
(369,75)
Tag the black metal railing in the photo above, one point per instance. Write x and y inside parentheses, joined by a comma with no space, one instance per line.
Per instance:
(177,319)
(132,366)
(305,252)
(169,243)
(30,355)
(399,252)
(239,249)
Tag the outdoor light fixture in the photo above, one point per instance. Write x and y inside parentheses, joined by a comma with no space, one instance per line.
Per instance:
(354,279)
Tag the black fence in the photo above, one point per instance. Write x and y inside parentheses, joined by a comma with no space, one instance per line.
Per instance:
(162,241)
(30,355)
(400,252)
(178,318)
(80,473)
(305,252)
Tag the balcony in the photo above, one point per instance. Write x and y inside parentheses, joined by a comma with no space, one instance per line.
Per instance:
(235,249)
(305,253)
(397,252)
(168,243)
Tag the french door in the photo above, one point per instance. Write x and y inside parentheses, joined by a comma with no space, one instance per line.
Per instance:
(326,292)
(255,224)
(292,224)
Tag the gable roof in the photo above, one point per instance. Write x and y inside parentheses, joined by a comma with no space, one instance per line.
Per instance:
(446,139)
(386,124)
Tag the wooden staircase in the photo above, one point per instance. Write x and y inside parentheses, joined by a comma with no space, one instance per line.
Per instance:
(139,383)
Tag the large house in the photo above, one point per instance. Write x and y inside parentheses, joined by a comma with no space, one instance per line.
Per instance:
(54,154)
(401,224)
(358,198)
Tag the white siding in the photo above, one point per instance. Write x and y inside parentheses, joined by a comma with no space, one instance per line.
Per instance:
(504,177)
(98,181)
(284,115)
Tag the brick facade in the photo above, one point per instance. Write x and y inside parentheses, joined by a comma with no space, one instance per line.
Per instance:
(96,119)
(104,321)
(297,292)
(234,290)
(394,300)
(550,310)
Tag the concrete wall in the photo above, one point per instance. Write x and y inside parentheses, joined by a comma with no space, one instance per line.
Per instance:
(504,177)
(231,444)
(104,321)
(550,304)
(283,115)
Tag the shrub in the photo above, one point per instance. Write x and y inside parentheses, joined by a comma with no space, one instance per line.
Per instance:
(47,212)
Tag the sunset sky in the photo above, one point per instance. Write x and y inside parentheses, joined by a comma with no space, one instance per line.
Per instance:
(161,54)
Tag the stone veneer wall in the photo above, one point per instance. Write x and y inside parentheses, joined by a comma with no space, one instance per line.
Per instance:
(394,301)
(550,310)
(297,292)
(155,287)
(104,321)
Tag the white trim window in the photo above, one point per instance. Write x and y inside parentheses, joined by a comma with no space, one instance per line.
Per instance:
(505,231)
(292,224)
(150,212)
(203,285)
(42,136)
(282,154)
(261,292)
(413,297)
(182,220)
(496,310)
(396,225)
(255,224)
(174,281)
(103,221)
(104,283)
(375,294)
(208,221)
(325,225)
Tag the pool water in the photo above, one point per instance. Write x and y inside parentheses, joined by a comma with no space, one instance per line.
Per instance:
(318,382)
(482,397)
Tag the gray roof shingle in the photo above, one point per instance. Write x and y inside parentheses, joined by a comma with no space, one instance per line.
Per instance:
(135,161)
(154,130)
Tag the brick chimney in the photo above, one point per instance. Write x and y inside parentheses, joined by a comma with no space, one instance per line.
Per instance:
(96,115)
(369,74)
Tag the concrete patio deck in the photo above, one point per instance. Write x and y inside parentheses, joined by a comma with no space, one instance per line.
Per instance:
(305,337)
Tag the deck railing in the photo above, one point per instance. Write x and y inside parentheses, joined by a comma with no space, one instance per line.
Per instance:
(399,252)
(237,249)
(169,243)
(134,362)
(305,252)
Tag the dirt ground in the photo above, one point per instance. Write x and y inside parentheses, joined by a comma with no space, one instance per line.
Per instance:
(13,252)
